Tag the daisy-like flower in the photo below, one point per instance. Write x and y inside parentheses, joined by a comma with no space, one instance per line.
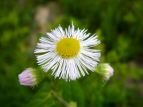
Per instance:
(69,53)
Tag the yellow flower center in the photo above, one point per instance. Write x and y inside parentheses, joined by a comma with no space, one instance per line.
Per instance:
(68,47)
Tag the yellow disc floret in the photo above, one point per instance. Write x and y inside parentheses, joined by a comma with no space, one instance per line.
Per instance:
(68,47)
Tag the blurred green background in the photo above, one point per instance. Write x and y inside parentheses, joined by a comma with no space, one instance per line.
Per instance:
(119,24)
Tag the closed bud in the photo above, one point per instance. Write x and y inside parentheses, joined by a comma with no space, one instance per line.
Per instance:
(105,70)
(28,77)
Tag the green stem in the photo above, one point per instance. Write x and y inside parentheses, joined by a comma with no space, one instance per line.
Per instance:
(62,101)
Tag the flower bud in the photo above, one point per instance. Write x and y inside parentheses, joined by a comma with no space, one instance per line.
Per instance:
(28,77)
(105,70)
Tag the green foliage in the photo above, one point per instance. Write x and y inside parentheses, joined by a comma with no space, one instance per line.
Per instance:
(118,23)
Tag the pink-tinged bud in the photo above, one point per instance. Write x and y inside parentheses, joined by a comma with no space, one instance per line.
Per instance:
(28,77)
(105,70)
(108,71)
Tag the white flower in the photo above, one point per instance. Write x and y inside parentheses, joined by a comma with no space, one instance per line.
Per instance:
(28,77)
(68,53)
